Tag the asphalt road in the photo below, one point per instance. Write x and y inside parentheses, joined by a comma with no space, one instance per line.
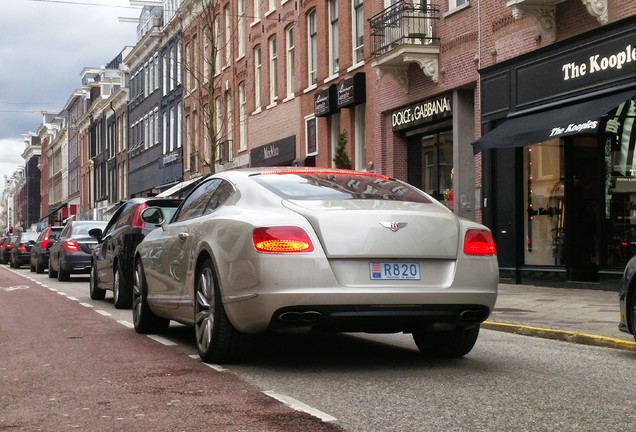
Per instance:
(65,367)
(356,382)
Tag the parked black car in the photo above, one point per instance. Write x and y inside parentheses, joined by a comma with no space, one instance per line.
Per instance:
(21,252)
(7,245)
(113,257)
(71,253)
(40,250)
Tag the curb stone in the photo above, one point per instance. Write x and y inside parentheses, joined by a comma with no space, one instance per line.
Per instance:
(562,335)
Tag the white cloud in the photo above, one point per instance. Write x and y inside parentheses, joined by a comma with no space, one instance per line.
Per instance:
(44,45)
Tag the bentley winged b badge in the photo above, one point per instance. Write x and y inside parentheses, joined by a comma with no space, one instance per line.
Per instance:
(394,226)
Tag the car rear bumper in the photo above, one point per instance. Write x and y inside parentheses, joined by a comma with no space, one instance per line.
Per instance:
(76,264)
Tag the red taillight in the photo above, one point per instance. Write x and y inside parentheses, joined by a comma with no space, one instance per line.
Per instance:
(22,248)
(71,246)
(9,247)
(479,242)
(282,239)
(137,222)
(45,242)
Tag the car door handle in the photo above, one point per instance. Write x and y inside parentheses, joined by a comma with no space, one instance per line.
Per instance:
(183,236)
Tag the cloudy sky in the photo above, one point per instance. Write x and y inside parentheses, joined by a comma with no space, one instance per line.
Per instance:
(44,45)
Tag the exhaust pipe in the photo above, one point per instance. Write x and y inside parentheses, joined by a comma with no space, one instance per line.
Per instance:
(470,315)
(299,317)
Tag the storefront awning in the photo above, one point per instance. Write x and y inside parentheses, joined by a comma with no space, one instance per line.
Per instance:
(55,210)
(180,189)
(537,127)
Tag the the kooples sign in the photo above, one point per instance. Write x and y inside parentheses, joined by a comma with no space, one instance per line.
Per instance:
(588,126)
(599,63)
(423,112)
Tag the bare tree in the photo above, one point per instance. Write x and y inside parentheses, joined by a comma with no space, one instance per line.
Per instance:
(207,52)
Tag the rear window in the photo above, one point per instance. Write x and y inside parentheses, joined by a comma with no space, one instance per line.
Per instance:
(27,236)
(335,185)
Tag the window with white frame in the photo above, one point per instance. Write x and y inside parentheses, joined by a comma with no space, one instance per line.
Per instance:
(173,118)
(189,72)
(206,54)
(360,141)
(290,76)
(151,129)
(195,62)
(242,117)
(186,158)
(217,46)
(271,5)
(178,65)
(166,135)
(257,10)
(333,37)
(311,136)
(219,119)
(179,124)
(151,76)
(218,125)
(312,48)
(257,77)
(156,78)
(230,122)
(240,34)
(146,80)
(207,148)
(452,4)
(273,71)
(146,132)
(156,116)
(357,35)
(228,35)
(195,137)
(166,71)
(173,67)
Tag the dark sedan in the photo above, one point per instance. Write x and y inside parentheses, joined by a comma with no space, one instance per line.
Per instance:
(71,253)
(40,250)
(113,257)
(21,252)
(7,245)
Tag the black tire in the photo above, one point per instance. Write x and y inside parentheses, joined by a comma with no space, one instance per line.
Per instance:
(39,266)
(453,343)
(52,273)
(632,312)
(95,292)
(216,338)
(121,293)
(31,266)
(144,319)
(62,275)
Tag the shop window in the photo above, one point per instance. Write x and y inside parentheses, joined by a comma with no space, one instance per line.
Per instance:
(437,167)
(620,185)
(544,221)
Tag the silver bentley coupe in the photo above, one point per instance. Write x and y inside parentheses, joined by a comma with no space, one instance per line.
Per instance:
(299,249)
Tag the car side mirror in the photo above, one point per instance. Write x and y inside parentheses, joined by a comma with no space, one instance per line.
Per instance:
(95,232)
(153,215)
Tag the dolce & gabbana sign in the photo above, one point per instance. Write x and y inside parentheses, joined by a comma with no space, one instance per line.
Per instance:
(422,112)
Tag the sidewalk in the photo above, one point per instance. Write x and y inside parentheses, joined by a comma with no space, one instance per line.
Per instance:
(576,315)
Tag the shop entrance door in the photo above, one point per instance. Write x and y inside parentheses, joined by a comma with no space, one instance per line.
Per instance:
(583,198)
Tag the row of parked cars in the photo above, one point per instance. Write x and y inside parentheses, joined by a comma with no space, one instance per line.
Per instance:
(62,250)
(292,249)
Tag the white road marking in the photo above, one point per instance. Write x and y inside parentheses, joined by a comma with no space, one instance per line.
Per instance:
(62,293)
(88,305)
(17,287)
(299,406)
(126,323)
(162,340)
(72,298)
(103,312)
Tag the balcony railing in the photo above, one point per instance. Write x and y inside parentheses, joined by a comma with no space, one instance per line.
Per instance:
(403,23)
